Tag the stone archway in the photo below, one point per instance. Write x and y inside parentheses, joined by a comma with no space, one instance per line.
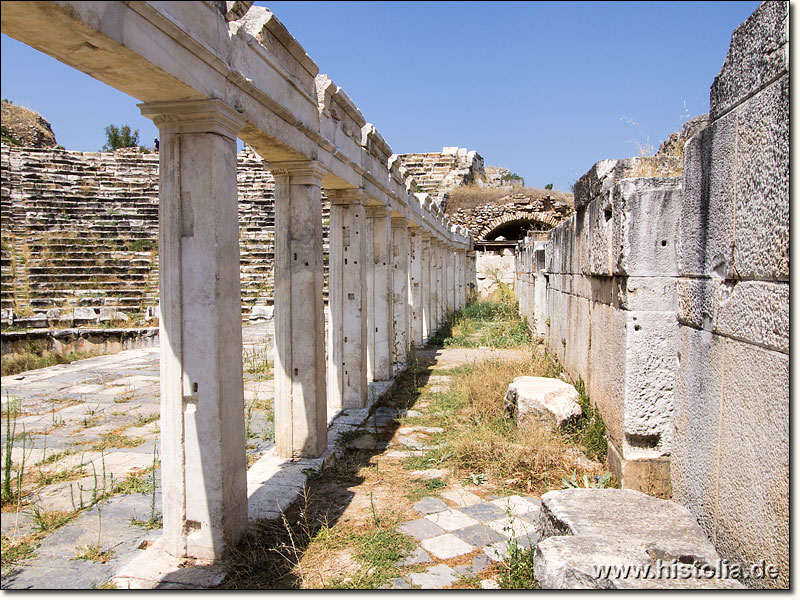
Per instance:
(515,221)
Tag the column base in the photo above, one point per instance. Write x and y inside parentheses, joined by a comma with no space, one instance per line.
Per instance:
(651,476)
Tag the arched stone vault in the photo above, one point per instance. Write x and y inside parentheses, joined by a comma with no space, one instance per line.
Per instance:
(542,219)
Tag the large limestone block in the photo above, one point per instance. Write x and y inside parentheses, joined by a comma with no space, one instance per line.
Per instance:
(751,311)
(551,398)
(761,236)
(605,380)
(646,293)
(697,406)
(649,383)
(582,529)
(758,54)
(580,562)
(753,522)
(707,209)
(647,216)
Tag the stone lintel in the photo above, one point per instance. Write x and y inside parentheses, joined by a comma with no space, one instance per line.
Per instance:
(399,222)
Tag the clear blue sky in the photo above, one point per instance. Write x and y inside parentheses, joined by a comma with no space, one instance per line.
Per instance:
(545,89)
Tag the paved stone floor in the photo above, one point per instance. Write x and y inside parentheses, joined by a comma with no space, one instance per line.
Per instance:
(72,409)
(88,426)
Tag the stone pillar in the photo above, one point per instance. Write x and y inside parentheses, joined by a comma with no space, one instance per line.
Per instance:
(203,465)
(415,284)
(426,285)
(400,291)
(451,279)
(379,290)
(301,424)
(436,283)
(347,300)
(472,282)
(462,284)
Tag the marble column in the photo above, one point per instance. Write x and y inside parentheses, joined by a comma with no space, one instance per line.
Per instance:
(379,290)
(203,465)
(400,292)
(347,299)
(426,285)
(301,414)
(415,284)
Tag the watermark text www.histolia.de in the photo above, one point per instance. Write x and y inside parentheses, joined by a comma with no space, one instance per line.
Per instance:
(662,569)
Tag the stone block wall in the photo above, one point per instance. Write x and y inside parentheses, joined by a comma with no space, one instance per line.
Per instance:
(669,296)
(730,458)
(601,293)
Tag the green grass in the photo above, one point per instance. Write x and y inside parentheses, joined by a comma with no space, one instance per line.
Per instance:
(117,440)
(425,487)
(590,430)
(517,569)
(494,324)
(377,551)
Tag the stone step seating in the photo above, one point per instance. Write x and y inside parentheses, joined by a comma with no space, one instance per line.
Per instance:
(435,172)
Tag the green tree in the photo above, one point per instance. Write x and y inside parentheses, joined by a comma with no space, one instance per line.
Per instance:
(120,137)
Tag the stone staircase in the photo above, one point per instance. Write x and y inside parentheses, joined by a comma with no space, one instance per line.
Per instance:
(438,172)
(80,229)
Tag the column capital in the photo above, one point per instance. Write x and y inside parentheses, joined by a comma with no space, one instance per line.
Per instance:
(376,212)
(398,222)
(303,172)
(347,196)
(194,116)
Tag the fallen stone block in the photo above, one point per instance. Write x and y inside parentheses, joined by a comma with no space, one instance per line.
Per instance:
(553,399)
(622,539)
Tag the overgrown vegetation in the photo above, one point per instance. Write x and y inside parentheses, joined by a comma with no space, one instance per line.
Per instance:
(479,440)
(471,196)
(34,357)
(494,324)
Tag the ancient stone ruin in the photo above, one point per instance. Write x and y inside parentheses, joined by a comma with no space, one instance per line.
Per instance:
(667,292)
(663,285)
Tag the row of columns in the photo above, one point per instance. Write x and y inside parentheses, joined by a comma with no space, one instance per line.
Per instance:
(391,285)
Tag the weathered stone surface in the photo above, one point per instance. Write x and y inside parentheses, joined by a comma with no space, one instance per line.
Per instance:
(420,529)
(758,54)
(486,511)
(451,520)
(584,528)
(434,578)
(553,399)
(430,505)
(417,557)
(446,546)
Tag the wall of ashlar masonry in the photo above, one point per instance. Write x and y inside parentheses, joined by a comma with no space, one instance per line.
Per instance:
(669,296)
(207,73)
